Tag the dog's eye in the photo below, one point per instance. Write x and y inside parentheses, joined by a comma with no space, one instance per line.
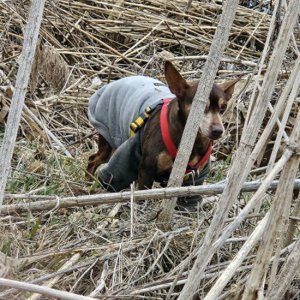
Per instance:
(222,109)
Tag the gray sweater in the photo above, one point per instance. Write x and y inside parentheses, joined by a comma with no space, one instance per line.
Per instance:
(116,105)
(111,111)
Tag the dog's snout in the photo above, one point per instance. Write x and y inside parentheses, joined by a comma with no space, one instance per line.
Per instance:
(216,131)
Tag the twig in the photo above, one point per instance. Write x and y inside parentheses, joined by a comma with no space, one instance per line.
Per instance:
(41,290)
(49,202)
(197,111)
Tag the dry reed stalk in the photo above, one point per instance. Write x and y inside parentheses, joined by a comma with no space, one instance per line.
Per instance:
(42,290)
(101,282)
(197,111)
(167,283)
(44,203)
(73,29)
(209,274)
(6,264)
(290,89)
(223,280)
(14,116)
(256,198)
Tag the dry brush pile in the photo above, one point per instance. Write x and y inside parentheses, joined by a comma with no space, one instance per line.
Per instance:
(115,250)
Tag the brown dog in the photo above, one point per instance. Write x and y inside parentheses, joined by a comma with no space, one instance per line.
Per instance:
(154,160)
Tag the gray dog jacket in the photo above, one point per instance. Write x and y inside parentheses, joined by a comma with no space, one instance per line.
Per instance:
(111,111)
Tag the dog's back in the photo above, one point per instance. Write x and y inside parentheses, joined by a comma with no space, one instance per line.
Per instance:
(116,105)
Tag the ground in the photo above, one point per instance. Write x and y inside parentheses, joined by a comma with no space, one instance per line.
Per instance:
(83,45)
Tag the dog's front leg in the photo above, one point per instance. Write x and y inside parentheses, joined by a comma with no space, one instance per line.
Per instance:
(146,173)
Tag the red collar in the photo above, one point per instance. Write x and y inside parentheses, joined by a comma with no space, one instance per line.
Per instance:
(172,149)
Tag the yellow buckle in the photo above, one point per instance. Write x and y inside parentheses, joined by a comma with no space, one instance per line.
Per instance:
(140,121)
(148,110)
(133,126)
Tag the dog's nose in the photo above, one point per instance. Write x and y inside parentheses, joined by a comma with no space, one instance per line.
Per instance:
(216,132)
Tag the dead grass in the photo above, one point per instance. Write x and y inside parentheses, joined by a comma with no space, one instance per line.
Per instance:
(83,45)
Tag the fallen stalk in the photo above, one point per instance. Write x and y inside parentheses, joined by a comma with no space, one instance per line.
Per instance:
(53,202)
(24,286)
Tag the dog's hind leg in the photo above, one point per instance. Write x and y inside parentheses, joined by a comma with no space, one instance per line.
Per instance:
(102,156)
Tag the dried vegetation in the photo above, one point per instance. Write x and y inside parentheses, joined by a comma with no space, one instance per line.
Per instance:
(117,250)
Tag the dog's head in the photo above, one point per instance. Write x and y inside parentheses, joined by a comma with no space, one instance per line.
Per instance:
(216,104)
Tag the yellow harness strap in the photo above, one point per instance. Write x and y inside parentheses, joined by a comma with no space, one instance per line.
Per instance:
(140,121)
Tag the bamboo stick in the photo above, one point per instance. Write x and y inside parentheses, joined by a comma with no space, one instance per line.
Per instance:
(15,111)
(197,111)
(42,290)
(41,203)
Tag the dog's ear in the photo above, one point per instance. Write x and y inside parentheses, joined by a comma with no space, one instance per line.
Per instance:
(177,84)
(228,87)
